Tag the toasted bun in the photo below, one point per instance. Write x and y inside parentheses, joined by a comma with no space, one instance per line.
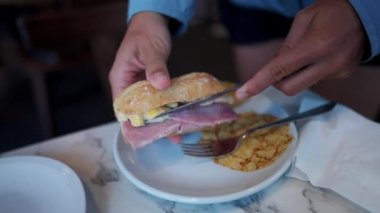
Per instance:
(141,96)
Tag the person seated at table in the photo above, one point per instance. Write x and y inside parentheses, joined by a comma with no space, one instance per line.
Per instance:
(327,39)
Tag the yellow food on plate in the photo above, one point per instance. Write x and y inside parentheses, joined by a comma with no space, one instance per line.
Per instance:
(258,150)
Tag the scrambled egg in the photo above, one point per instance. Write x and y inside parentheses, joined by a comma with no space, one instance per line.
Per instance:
(140,119)
(258,150)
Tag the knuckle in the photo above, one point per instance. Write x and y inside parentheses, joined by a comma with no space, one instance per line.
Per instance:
(277,72)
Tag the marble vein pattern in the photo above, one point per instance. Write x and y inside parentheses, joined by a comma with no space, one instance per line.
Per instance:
(89,154)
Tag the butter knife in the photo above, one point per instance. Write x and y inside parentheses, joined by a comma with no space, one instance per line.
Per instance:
(200,101)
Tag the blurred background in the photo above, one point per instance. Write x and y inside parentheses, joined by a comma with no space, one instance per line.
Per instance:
(55,56)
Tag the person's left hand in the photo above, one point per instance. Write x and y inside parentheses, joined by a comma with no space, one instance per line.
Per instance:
(142,53)
(326,40)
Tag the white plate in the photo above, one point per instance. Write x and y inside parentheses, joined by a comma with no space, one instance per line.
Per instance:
(36,184)
(162,170)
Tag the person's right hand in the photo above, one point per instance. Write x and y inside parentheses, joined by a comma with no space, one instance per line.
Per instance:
(326,40)
(142,54)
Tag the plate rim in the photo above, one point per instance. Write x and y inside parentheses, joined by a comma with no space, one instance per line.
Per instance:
(196,200)
(206,199)
(79,188)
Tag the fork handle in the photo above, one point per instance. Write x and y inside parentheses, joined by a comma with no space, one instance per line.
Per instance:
(312,112)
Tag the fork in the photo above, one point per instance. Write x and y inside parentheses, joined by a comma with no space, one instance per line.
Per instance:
(228,145)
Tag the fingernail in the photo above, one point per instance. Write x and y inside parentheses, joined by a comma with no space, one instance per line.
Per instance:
(158,76)
(159,79)
(241,95)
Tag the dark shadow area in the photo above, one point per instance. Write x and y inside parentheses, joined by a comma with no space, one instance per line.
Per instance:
(78,103)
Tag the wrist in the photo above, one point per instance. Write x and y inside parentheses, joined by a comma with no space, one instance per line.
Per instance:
(149,22)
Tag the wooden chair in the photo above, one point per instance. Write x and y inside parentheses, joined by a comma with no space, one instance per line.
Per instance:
(100,27)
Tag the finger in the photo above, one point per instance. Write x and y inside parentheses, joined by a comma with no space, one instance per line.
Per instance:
(156,70)
(157,74)
(298,29)
(301,55)
(305,78)
(123,73)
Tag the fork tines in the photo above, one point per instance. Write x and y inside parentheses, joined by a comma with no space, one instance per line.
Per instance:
(200,150)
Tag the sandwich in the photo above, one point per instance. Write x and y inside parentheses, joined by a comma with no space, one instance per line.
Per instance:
(138,108)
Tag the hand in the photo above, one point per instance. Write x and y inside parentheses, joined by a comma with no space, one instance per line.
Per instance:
(142,54)
(325,40)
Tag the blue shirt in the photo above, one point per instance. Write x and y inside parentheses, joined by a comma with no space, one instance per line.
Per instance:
(182,10)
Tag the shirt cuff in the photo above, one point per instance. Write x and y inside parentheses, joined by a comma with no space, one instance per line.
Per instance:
(369,16)
(180,10)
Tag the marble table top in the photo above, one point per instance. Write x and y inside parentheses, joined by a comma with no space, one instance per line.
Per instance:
(89,154)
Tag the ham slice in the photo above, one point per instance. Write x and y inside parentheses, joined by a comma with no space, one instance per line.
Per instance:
(178,123)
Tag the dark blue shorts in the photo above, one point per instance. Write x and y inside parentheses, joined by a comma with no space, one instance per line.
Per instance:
(248,25)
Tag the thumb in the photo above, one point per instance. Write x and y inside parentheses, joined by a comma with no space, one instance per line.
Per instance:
(157,74)
(156,70)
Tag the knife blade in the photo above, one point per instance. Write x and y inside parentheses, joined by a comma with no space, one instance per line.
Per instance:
(200,101)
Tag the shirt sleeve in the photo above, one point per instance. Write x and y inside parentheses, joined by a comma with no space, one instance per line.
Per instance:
(180,10)
(368,12)
(283,7)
